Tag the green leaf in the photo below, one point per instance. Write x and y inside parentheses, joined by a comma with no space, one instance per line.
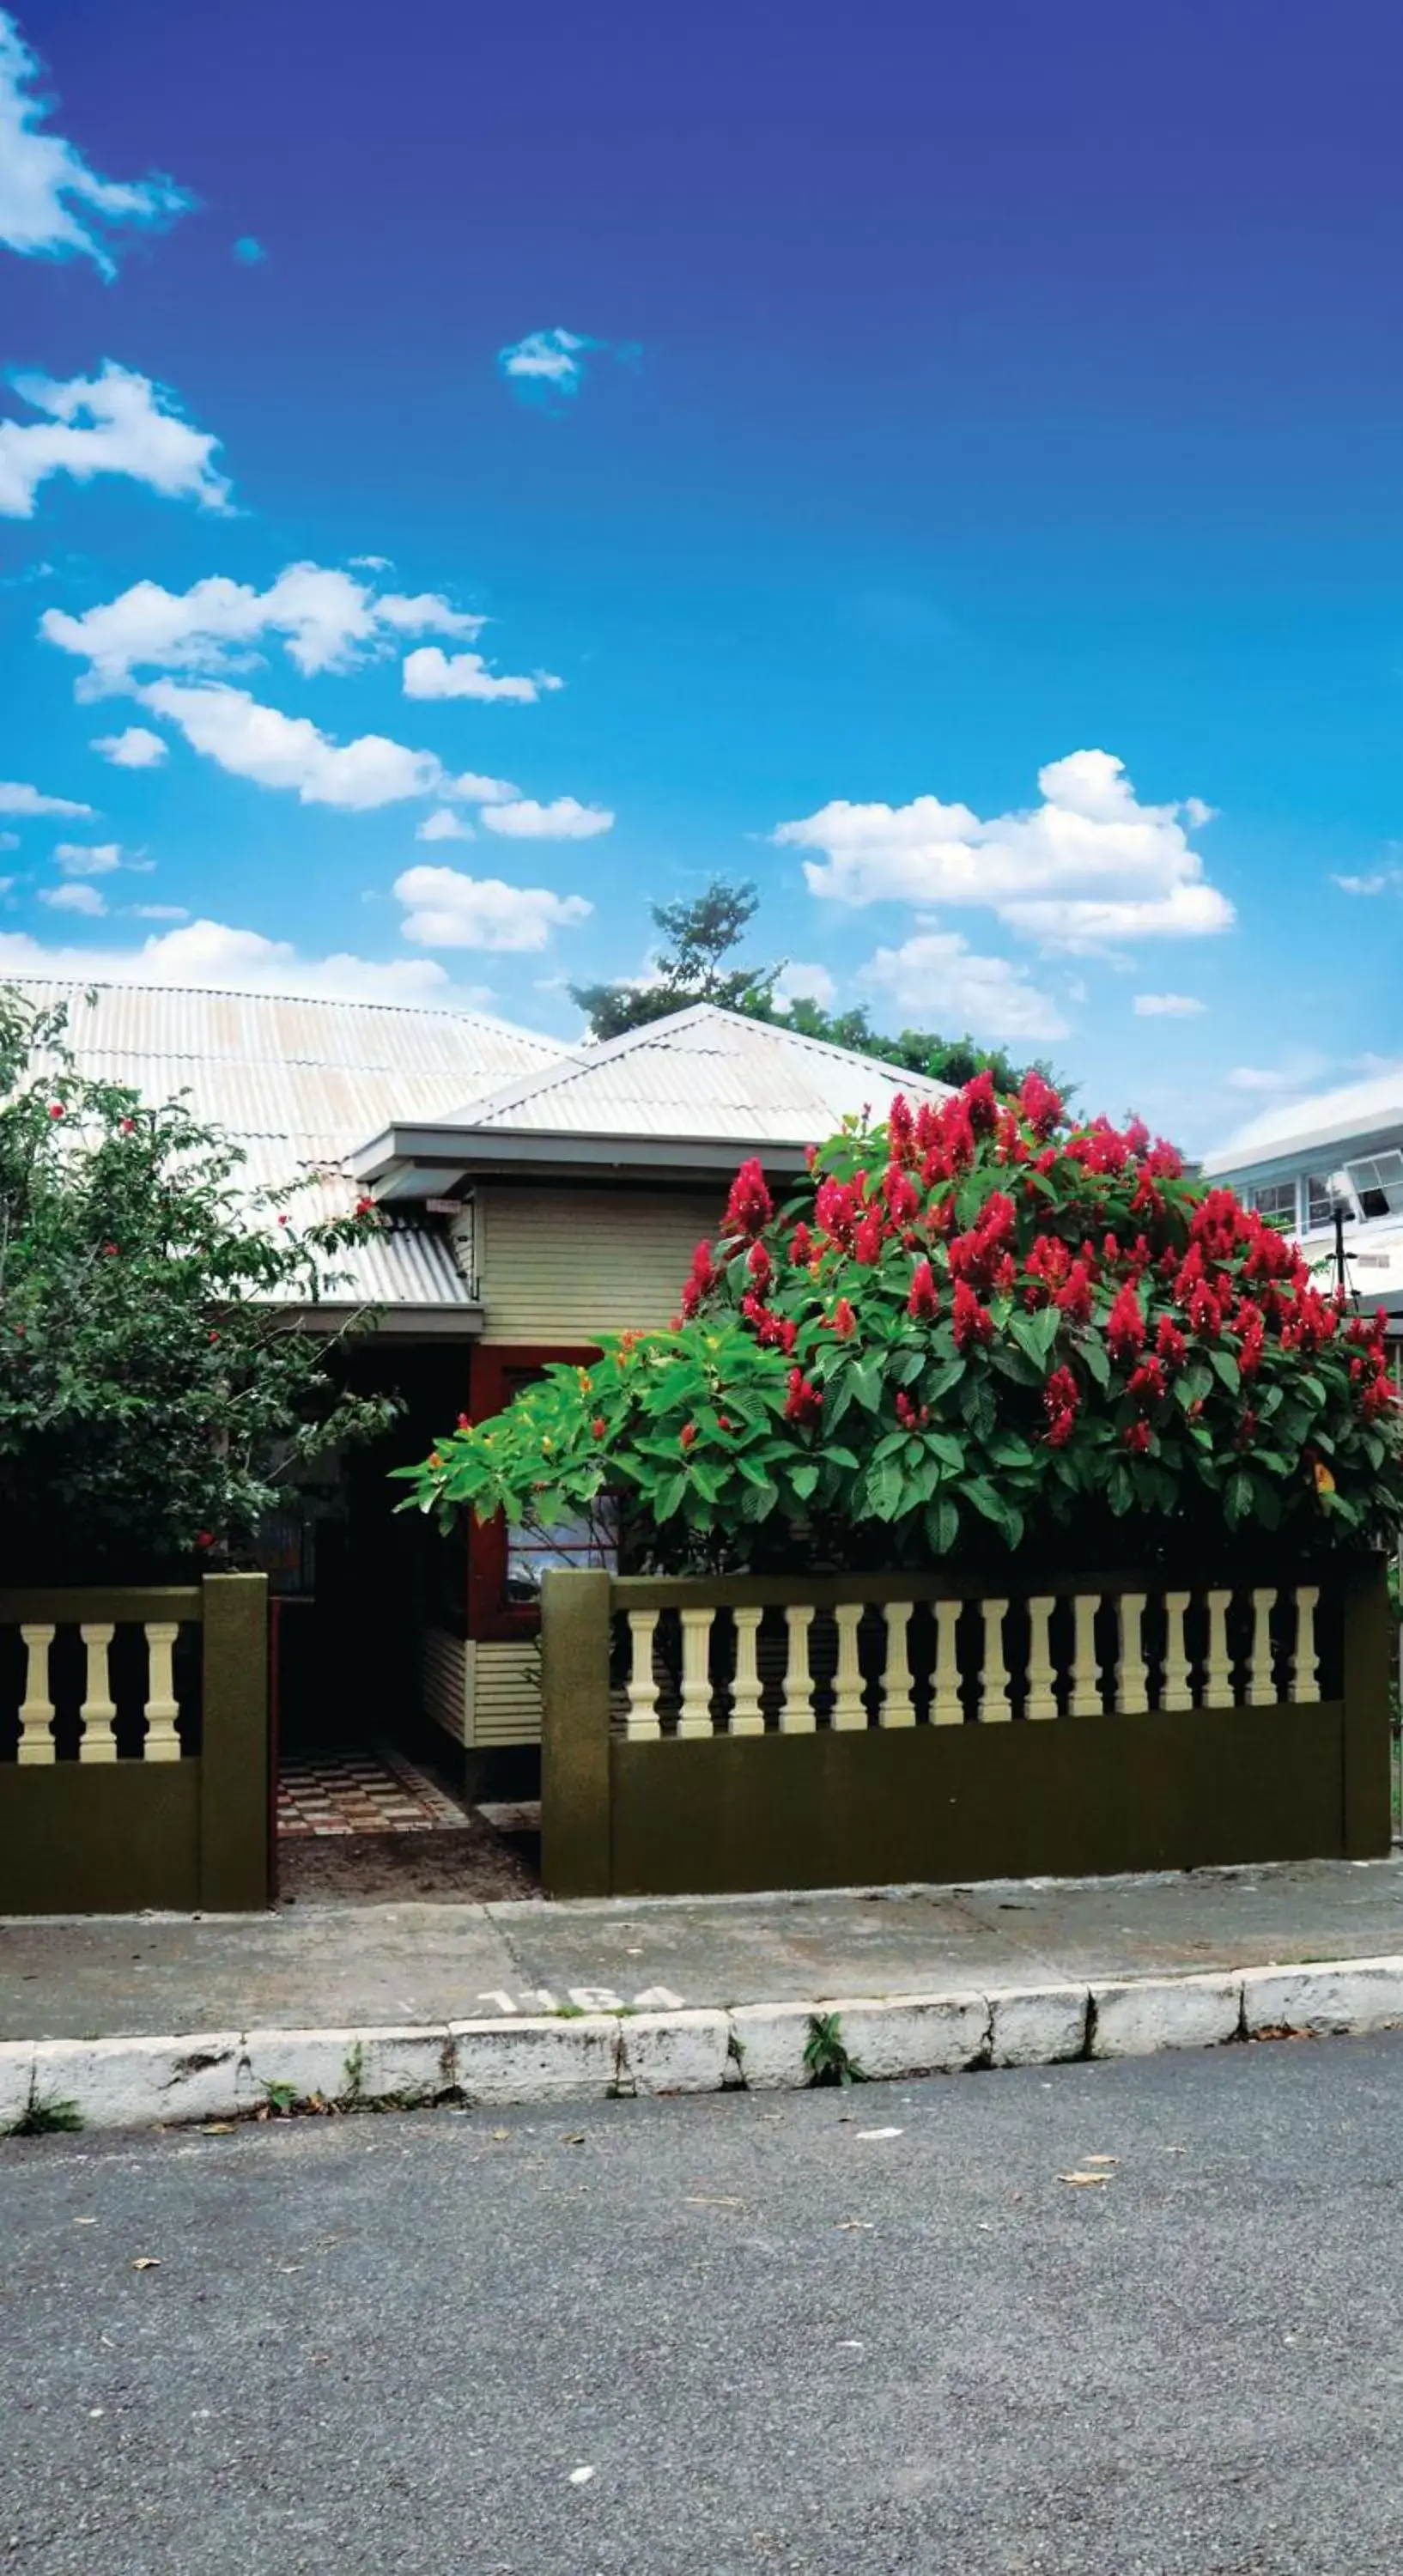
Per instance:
(942,1525)
(1227,1369)
(803,1477)
(1096,1358)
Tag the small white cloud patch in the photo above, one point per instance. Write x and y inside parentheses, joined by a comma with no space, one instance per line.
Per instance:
(447,909)
(136,748)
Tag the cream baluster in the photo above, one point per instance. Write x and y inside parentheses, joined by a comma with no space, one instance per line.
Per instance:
(36,1716)
(796,1712)
(98,1712)
(897,1706)
(1305,1663)
(849,1712)
(994,1702)
(1085,1700)
(641,1722)
(1042,1694)
(747,1716)
(694,1718)
(1217,1670)
(1132,1680)
(1261,1684)
(945,1705)
(162,1707)
(1177,1688)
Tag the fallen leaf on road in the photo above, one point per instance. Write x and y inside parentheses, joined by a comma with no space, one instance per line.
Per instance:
(1081,2179)
(147,2263)
(580,2477)
(85,2222)
(576,2138)
(218,2128)
(712,2200)
(1100,2160)
(849,2226)
(879,2133)
(499,2134)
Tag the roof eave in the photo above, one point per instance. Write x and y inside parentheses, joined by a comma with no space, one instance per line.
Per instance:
(409,1163)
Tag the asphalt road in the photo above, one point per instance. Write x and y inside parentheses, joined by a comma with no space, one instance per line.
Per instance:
(777,2343)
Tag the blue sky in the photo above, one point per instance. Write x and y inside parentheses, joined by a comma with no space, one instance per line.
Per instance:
(907,408)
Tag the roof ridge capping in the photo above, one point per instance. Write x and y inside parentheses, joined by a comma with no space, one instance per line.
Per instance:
(586,1059)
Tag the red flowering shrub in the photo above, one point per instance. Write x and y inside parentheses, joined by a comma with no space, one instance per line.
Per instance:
(979,1315)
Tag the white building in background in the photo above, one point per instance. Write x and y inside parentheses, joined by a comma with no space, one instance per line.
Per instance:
(1343,1149)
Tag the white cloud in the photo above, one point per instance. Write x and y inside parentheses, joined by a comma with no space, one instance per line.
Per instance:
(16,798)
(1307,1065)
(444,825)
(1380,881)
(566,819)
(84,859)
(1087,866)
(450,910)
(258,742)
(159,911)
(136,748)
(1168,1006)
(9,840)
(114,423)
(432,673)
(472,790)
(938,977)
(47,188)
(214,953)
(327,621)
(74,897)
(799,983)
(547,364)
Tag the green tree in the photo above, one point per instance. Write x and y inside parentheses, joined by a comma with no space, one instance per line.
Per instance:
(703,935)
(155,1387)
(979,1327)
(692,969)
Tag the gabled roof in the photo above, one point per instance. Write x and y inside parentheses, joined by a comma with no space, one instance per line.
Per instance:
(690,1094)
(298,1083)
(704,1072)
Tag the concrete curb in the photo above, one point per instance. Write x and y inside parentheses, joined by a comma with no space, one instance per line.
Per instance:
(228,2075)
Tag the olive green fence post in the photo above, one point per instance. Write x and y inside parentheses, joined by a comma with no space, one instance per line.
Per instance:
(575,1806)
(234,1870)
(1366,1787)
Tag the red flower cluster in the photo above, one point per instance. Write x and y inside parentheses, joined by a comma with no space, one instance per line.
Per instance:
(750,1206)
(804,1403)
(973,1323)
(1061,1403)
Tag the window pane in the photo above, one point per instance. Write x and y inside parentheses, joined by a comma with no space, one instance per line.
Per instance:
(531,1552)
(1274,1200)
(1319,1210)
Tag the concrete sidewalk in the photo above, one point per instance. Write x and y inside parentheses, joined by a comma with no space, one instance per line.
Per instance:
(344,1968)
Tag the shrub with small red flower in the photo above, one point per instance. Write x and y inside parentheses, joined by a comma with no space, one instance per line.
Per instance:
(983,1317)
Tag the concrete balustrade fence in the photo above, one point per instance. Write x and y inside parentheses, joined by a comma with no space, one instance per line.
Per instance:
(768,1732)
(134,1755)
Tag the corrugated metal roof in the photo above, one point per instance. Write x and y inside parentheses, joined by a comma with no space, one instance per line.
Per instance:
(705,1073)
(298,1084)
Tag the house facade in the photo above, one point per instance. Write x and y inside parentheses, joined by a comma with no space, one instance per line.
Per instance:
(1330,1171)
(576,1197)
(536,1196)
